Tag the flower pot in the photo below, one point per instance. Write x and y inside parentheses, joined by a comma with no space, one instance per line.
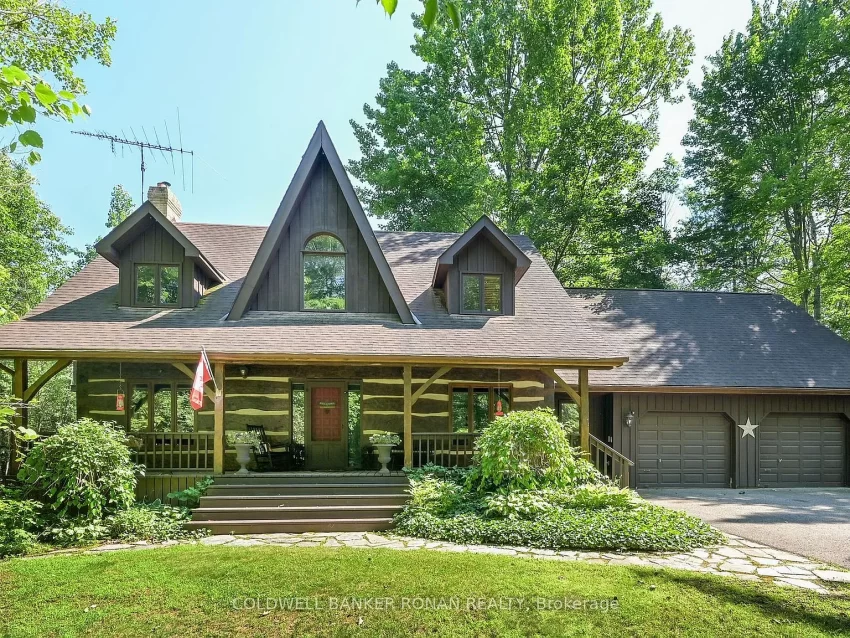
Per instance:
(384,456)
(243,456)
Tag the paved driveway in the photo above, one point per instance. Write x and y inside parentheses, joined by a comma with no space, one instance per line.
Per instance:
(808,521)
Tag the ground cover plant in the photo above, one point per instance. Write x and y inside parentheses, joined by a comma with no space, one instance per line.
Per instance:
(527,487)
(193,590)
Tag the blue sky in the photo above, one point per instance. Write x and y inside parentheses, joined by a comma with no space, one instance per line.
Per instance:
(251,80)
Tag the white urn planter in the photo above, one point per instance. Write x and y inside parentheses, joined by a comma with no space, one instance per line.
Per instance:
(243,456)
(384,456)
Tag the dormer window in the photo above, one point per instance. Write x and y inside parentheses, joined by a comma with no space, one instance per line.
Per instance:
(481,294)
(324,273)
(157,285)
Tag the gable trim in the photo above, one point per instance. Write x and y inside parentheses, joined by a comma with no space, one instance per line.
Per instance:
(496,235)
(320,142)
(106,246)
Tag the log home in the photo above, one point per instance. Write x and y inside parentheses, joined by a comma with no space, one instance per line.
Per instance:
(324,331)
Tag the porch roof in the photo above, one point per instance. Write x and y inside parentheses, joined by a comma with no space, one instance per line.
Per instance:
(82,318)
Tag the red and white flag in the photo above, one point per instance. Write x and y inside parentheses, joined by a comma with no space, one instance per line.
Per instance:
(202,375)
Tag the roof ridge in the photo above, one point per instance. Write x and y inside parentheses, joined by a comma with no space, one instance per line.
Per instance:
(705,292)
(182,223)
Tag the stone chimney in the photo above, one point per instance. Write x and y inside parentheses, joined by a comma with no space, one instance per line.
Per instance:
(165,201)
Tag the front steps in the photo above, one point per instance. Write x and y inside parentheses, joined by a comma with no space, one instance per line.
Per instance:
(301,502)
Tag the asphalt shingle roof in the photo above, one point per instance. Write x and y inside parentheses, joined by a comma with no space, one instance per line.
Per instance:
(83,316)
(672,338)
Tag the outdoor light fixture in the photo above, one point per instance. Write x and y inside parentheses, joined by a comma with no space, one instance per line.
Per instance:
(630,418)
(243,372)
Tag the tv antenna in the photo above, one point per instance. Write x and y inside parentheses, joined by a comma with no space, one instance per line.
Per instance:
(123,140)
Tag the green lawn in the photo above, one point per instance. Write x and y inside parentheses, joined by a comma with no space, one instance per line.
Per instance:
(187,591)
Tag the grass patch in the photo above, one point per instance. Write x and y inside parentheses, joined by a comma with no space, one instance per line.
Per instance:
(187,590)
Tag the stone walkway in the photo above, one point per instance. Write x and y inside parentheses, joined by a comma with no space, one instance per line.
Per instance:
(738,558)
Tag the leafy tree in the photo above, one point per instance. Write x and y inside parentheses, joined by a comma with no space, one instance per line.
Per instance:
(38,38)
(768,150)
(33,245)
(538,113)
(120,206)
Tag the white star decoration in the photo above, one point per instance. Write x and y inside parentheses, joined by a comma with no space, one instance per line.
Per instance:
(748,429)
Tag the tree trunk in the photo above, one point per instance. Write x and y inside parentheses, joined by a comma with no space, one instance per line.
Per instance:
(816,303)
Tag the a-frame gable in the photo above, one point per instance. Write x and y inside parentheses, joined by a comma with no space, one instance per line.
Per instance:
(319,175)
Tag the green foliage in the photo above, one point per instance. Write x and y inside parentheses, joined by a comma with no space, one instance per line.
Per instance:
(75,530)
(436,496)
(235,437)
(150,522)
(20,523)
(45,39)
(84,470)
(33,244)
(191,496)
(642,528)
(388,438)
(540,114)
(120,206)
(432,8)
(768,151)
(528,449)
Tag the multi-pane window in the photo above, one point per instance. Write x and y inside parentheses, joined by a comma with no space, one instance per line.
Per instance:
(324,273)
(475,406)
(481,294)
(157,285)
(156,406)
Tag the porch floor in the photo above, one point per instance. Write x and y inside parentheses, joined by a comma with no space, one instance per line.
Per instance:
(315,473)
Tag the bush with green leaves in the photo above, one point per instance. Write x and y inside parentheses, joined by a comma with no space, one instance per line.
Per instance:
(83,471)
(150,522)
(20,524)
(191,496)
(528,449)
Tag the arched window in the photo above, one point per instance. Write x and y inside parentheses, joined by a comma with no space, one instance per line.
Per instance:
(324,273)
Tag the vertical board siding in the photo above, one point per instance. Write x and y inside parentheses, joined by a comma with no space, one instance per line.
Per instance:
(155,246)
(155,487)
(322,208)
(736,407)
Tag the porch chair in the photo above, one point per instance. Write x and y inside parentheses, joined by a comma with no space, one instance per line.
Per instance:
(268,457)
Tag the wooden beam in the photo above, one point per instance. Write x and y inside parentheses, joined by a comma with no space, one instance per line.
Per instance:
(561,384)
(208,392)
(218,439)
(19,387)
(421,390)
(51,372)
(7,370)
(584,410)
(408,416)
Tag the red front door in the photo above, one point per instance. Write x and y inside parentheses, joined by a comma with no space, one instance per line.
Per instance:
(327,444)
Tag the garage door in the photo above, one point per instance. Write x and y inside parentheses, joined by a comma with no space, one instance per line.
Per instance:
(802,450)
(683,450)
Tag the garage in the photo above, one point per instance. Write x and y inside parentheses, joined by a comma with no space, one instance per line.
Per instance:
(683,450)
(802,450)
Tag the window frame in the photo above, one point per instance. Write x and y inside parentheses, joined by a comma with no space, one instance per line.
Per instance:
(481,276)
(470,399)
(336,253)
(157,285)
(174,384)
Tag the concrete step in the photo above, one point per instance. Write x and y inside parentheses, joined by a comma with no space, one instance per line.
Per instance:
(284,489)
(303,500)
(310,478)
(293,526)
(294,513)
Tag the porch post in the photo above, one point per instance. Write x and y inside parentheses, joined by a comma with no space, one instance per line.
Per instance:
(218,437)
(408,416)
(584,410)
(19,387)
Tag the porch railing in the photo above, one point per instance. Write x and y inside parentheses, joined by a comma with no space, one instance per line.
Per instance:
(610,462)
(448,449)
(173,450)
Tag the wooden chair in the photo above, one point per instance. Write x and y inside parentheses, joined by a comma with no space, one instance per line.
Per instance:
(266,456)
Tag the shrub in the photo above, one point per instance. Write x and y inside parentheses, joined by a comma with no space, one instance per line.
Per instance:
(76,531)
(436,496)
(457,475)
(83,471)
(242,437)
(528,449)
(150,522)
(516,505)
(191,496)
(643,528)
(20,522)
